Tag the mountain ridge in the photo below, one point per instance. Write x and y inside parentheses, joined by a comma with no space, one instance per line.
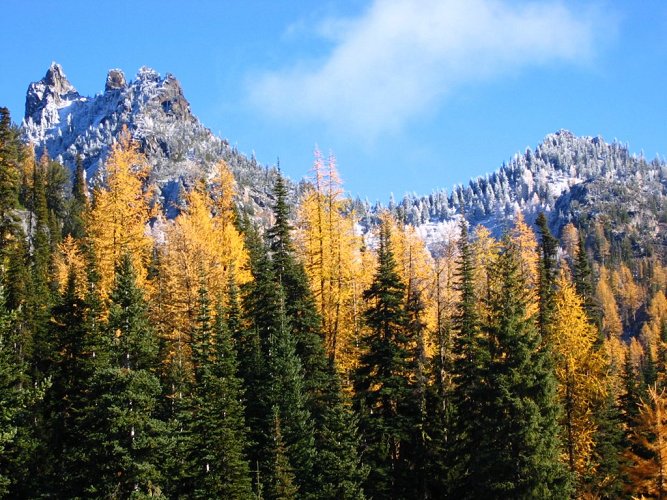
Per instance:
(566,176)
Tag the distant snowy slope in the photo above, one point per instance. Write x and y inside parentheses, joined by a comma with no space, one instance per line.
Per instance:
(581,179)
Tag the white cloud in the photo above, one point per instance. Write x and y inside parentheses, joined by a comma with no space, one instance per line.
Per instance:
(402,57)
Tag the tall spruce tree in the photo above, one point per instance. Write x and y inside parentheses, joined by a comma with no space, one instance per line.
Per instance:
(273,371)
(80,351)
(288,396)
(420,440)
(261,307)
(22,447)
(67,329)
(9,180)
(219,435)
(10,374)
(468,375)
(40,294)
(506,422)
(384,394)
(283,484)
(300,307)
(335,435)
(547,277)
(77,204)
(129,443)
(520,458)
(609,476)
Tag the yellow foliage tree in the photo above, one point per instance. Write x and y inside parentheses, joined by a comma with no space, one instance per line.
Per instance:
(446,296)
(485,250)
(201,247)
(611,319)
(652,330)
(635,353)
(648,469)
(615,351)
(331,251)
(580,369)
(524,239)
(658,275)
(630,295)
(118,218)
(570,240)
(70,259)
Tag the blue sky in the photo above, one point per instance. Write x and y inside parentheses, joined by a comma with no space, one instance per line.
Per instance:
(409,95)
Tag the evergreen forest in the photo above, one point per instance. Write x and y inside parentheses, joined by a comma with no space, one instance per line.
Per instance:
(209,355)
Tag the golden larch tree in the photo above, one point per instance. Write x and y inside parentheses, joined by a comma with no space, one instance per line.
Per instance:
(630,295)
(580,370)
(570,240)
(635,353)
(201,247)
(648,468)
(653,331)
(118,218)
(616,352)
(485,250)
(330,249)
(526,243)
(70,260)
(415,267)
(446,295)
(611,319)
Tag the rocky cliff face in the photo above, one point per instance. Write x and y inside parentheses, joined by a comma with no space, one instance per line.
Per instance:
(157,114)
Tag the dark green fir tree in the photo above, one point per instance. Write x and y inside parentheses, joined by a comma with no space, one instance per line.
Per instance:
(9,180)
(384,395)
(583,282)
(467,375)
(283,485)
(129,443)
(548,248)
(219,435)
(506,402)
(609,478)
(40,296)
(77,204)
(335,435)
(288,396)
(520,457)
(22,443)
(261,309)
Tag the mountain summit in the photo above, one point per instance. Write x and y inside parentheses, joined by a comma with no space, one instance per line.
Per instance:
(154,109)
(46,96)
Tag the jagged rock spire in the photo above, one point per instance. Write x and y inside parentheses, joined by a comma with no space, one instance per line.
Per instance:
(115,80)
(54,89)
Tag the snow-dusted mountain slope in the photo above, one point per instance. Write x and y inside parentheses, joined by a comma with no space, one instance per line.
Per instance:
(68,125)
(581,179)
(598,185)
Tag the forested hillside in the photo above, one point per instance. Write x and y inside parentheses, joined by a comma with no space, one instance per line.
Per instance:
(206,356)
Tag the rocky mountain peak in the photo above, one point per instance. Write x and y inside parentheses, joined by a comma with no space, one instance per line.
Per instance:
(115,80)
(172,99)
(48,94)
(55,78)
(154,109)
